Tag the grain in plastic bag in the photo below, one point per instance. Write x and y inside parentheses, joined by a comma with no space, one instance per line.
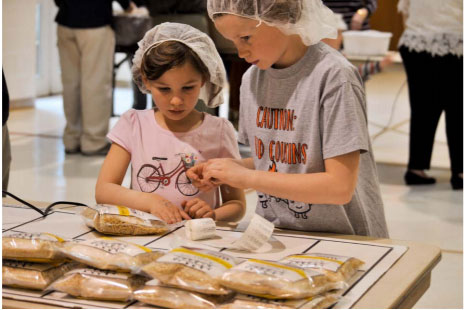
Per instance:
(109,254)
(36,276)
(118,220)
(32,247)
(91,283)
(275,280)
(191,269)
(337,267)
(175,298)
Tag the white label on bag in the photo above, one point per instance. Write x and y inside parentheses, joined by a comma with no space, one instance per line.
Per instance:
(124,211)
(212,263)
(199,229)
(33,236)
(255,236)
(100,273)
(272,269)
(317,260)
(114,246)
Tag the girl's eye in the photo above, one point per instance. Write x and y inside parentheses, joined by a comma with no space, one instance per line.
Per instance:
(188,87)
(245,38)
(163,89)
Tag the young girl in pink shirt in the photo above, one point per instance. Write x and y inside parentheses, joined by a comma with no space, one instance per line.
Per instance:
(178,65)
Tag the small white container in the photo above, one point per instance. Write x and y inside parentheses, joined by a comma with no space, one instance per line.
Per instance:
(366,43)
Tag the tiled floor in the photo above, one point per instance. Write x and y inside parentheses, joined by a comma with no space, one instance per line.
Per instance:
(41,171)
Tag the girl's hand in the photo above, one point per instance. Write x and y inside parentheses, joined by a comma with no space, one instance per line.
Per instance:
(167,211)
(226,171)
(198,208)
(195,174)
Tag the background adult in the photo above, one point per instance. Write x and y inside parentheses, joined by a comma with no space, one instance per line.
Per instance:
(355,13)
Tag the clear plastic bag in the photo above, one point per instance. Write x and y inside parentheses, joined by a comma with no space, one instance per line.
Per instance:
(175,298)
(109,254)
(117,220)
(97,284)
(337,267)
(32,247)
(195,270)
(34,276)
(276,280)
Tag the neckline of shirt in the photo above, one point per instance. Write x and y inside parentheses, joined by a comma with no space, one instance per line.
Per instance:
(293,69)
(206,119)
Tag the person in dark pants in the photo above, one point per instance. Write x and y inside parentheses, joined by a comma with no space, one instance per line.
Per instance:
(6,147)
(431,48)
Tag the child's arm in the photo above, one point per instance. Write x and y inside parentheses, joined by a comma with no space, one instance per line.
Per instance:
(232,208)
(334,186)
(109,190)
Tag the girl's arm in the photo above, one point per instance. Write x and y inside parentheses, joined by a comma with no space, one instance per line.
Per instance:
(109,190)
(233,204)
(334,186)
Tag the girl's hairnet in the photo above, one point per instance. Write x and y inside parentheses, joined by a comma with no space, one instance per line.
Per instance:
(200,43)
(310,19)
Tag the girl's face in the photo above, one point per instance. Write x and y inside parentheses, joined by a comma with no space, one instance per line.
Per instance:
(263,46)
(176,92)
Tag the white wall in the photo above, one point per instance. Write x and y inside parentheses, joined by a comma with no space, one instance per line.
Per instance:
(18,52)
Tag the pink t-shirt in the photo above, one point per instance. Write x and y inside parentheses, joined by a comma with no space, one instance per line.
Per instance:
(159,157)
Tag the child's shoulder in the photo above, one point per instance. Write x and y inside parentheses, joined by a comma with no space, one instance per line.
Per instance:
(217,122)
(133,116)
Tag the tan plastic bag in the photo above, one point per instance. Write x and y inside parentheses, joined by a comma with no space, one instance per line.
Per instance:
(32,247)
(175,298)
(110,254)
(195,270)
(337,267)
(34,276)
(97,284)
(274,280)
(118,220)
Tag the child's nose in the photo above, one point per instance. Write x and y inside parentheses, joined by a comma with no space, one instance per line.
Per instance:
(242,52)
(176,100)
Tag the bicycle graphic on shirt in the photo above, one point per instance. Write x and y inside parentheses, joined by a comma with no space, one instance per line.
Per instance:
(150,177)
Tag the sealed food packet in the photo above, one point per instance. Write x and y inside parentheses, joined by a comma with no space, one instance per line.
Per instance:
(32,247)
(338,268)
(98,284)
(34,276)
(251,304)
(119,220)
(191,269)
(275,280)
(154,293)
(109,254)
(304,303)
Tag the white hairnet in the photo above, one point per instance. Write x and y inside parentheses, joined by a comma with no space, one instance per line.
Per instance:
(310,19)
(200,43)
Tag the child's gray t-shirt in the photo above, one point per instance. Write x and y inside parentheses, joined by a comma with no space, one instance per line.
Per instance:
(295,118)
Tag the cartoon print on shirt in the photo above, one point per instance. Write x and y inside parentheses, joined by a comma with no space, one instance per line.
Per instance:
(150,177)
(299,209)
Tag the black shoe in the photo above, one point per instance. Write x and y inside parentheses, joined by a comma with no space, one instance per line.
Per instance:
(100,152)
(456,182)
(414,179)
(76,150)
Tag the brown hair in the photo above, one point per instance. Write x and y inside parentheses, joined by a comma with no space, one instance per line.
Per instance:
(168,55)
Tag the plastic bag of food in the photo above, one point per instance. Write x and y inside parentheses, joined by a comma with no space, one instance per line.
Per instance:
(154,293)
(251,304)
(191,269)
(98,284)
(275,280)
(338,268)
(34,276)
(118,220)
(32,247)
(109,254)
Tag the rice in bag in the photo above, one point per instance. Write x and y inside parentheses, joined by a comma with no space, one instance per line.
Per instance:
(90,283)
(36,276)
(275,280)
(118,220)
(32,247)
(109,254)
(191,269)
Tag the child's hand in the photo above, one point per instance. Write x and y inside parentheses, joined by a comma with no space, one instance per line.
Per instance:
(167,211)
(198,208)
(226,171)
(195,174)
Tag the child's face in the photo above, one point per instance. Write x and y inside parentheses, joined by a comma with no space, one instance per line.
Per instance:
(176,92)
(262,46)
